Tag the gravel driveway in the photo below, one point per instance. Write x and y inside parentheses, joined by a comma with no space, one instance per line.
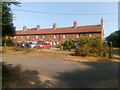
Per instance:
(61,73)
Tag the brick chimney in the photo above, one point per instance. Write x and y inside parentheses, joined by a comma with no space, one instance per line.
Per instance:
(102,29)
(24,28)
(75,24)
(38,27)
(102,22)
(54,26)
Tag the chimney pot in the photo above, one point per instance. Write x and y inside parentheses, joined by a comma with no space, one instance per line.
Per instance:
(54,26)
(24,28)
(75,24)
(38,27)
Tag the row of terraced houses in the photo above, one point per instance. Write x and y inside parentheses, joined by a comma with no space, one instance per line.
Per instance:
(59,35)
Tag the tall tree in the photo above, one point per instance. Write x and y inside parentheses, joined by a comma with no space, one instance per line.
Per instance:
(8,28)
(114,38)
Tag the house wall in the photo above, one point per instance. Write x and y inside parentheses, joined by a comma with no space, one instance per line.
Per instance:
(59,37)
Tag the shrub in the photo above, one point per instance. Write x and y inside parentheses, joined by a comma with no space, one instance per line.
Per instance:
(90,46)
(68,45)
(82,51)
(8,41)
(40,41)
(61,47)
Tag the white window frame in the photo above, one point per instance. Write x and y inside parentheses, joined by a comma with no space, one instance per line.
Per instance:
(78,35)
(90,35)
(36,37)
(14,37)
(64,36)
(43,36)
(54,36)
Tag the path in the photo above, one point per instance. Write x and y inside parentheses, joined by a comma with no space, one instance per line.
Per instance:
(68,73)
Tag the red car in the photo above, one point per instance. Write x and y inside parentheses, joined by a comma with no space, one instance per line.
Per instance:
(43,45)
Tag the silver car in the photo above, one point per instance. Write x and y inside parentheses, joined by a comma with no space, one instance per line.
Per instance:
(32,45)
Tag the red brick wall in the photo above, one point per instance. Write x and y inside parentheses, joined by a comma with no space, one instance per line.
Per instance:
(51,37)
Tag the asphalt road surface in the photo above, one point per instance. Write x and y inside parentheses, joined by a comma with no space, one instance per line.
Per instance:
(68,74)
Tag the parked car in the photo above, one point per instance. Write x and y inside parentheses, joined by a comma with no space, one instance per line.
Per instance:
(16,44)
(44,45)
(25,44)
(32,45)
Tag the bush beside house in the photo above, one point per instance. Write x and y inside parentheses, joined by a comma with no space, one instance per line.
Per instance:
(90,46)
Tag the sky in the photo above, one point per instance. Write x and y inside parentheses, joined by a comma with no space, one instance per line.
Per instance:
(85,13)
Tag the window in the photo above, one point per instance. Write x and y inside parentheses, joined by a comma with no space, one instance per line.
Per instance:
(14,37)
(21,37)
(27,37)
(90,35)
(36,37)
(78,35)
(43,36)
(54,36)
(64,36)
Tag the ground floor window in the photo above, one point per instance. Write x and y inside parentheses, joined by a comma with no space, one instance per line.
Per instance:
(64,36)
(27,37)
(14,37)
(78,35)
(36,37)
(43,36)
(21,37)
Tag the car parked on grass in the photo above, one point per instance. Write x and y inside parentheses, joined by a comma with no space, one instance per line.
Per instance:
(16,44)
(44,45)
(33,45)
(25,44)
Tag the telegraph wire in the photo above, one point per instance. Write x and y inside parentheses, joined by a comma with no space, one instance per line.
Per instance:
(64,13)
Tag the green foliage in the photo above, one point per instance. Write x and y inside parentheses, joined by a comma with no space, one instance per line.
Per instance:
(68,45)
(7,18)
(82,51)
(90,46)
(8,41)
(40,41)
(114,38)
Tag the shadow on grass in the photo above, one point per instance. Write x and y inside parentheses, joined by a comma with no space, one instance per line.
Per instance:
(15,77)
(101,75)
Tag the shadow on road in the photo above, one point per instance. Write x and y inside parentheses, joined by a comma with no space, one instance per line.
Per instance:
(101,75)
(15,77)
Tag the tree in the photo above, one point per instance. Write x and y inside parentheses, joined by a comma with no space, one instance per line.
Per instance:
(114,38)
(8,28)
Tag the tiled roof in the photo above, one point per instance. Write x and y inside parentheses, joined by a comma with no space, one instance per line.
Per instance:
(79,29)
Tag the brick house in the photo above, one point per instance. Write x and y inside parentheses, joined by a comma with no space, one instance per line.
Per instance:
(59,35)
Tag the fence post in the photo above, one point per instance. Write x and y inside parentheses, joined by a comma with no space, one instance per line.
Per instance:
(62,48)
(110,50)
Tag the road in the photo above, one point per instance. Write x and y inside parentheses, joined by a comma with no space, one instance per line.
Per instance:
(61,73)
